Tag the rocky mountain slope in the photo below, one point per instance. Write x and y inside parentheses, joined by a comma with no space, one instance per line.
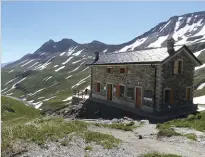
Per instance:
(48,76)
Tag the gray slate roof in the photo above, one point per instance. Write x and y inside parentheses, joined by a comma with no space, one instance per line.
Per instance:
(142,56)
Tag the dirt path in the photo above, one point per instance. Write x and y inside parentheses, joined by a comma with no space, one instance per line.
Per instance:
(173,145)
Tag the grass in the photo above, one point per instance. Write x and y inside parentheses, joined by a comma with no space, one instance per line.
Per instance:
(121,126)
(14,111)
(191,136)
(88,148)
(108,141)
(192,121)
(42,130)
(159,155)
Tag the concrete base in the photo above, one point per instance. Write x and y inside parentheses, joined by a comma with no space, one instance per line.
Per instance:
(147,112)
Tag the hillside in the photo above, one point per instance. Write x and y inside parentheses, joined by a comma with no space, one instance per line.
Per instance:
(47,77)
(14,111)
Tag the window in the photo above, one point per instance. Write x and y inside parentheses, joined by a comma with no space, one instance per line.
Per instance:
(188,93)
(120,91)
(122,70)
(130,92)
(148,94)
(109,70)
(178,65)
(98,87)
(169,96)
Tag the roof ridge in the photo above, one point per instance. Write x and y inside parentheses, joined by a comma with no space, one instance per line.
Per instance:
(152,48)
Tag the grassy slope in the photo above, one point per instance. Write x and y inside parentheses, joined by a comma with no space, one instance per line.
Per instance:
(192,121)
(14,111)
(56,86)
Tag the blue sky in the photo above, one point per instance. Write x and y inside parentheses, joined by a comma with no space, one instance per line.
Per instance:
(27,25)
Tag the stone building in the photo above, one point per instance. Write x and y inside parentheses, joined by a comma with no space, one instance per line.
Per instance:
(152,80)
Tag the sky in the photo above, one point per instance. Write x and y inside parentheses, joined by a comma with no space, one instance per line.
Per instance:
(27,25)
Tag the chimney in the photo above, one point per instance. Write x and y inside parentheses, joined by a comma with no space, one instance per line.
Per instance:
(96,56)
(170,46)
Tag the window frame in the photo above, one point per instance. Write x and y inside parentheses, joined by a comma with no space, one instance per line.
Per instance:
(177,64)
(97,87)
(190,94)
(133,93)
(164,95)
(151,93)
(110,70)
(122,68)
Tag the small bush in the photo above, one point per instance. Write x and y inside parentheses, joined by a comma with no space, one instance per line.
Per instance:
(160,155)
(88,148)
(191,117)
(167,133)
(191,136)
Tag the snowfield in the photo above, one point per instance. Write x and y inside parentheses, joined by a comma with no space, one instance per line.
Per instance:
(198,52)
(158,42)
(199,100)
(199,67)
(132,46)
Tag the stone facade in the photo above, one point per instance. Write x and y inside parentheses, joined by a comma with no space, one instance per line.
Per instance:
(143,76)
(178,82)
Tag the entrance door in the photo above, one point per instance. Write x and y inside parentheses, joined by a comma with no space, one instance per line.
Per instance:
(138,97)
(109,91)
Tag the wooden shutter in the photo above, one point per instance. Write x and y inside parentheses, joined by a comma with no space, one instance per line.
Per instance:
(171,96)
(118,90)
(176,67)
(188,93)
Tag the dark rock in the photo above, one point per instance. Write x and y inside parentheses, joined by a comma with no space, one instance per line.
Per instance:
(140,136)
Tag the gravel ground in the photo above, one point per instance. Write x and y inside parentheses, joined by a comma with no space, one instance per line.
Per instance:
(131,145)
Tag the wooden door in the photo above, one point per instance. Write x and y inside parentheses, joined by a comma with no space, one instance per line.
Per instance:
(109,91)
(138,97)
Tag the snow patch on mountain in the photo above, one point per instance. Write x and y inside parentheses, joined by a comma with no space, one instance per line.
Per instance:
(67,60)
(36,92)
(78,53)
(68,77)
(199,100)
(77,61)
(49,98)
(33,65)
(199,67)
(68,99)
(74,69)
(62,53)
(201,87)
(11,71)
(59,68)
(11,81)
(158,42)
(165,26)
(80,82)
(198,52)
(132,46)
(27,62)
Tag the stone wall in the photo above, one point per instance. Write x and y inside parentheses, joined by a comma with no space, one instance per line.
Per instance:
(136,75)
(178,82)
